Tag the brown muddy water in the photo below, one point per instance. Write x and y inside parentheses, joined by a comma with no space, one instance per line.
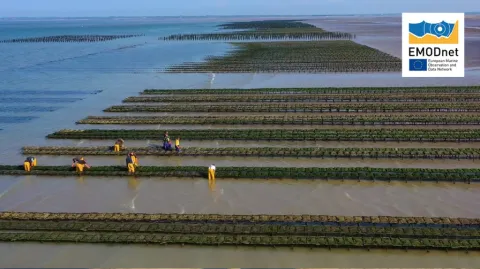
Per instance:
(151,195)
(228,197)
(114,256)
(27,193)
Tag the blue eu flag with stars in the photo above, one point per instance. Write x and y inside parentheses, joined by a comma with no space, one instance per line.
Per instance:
(418,65)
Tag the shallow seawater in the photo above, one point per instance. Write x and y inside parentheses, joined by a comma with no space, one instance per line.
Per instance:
(126,256)
(182,195)
(38,78)
(86,78)
(228,197)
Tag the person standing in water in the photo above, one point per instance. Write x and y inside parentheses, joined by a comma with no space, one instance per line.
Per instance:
(29,163)
(119,145)
(166,141)
(80,164)
(211,176)
(131,162)
(177,145)
(211,172)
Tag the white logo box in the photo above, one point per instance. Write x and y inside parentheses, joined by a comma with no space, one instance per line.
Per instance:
(408,18)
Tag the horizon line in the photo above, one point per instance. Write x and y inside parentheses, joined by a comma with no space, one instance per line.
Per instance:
(204,16)
(196,16)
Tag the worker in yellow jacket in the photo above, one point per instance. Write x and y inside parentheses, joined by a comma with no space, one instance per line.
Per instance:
(80,164)
(119,145)
(177,145)
(211,172)
(211,177)
(134,158)
(29,163)
(132,162)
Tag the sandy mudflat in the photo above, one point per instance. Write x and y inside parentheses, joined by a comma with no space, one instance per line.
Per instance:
(384,33)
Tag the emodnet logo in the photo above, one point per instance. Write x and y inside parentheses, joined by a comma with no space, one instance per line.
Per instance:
(433,45)
(433,33)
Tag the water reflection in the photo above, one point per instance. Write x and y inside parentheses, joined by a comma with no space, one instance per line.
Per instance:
(81,179)
(212,184)
(133,183)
